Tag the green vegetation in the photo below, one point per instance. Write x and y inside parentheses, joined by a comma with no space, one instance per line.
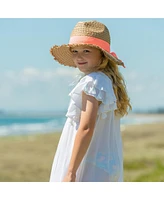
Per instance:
(29,158)
(143,153)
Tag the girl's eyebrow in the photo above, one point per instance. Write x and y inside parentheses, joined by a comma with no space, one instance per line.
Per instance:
(83,48)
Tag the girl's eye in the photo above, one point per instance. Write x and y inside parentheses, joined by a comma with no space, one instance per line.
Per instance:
(74,51)
(86,51)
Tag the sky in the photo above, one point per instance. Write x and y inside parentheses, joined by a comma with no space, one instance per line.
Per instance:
(30,79)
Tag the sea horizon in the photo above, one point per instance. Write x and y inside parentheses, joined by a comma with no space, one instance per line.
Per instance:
(23,123)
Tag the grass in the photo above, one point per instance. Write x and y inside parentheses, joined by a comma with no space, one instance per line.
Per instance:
(29,158)
(143,153)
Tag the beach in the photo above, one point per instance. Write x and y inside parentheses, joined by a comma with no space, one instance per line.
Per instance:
(143,147)
(28,158)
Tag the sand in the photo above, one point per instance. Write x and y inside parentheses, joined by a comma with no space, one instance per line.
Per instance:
(29,158)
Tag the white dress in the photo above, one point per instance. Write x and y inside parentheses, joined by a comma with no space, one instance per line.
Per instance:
(103,161)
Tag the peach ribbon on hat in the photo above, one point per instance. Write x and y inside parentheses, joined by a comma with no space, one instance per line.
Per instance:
(114,54)
(96,41)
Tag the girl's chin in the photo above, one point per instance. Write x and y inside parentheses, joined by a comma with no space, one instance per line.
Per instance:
(84,71)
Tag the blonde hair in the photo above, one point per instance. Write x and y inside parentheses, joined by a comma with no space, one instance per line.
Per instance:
(111,70)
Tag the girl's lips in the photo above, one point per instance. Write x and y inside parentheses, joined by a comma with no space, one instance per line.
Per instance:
(82,63)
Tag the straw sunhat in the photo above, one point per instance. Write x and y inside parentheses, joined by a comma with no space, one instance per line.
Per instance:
(91,33)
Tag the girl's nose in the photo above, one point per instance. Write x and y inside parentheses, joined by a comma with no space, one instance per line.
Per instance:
(79,56)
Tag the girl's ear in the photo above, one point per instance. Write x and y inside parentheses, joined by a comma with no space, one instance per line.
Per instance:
(101,61)
(102,58)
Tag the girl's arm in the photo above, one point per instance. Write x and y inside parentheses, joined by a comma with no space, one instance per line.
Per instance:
(84,134)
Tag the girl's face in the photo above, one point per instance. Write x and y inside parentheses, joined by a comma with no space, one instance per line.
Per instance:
(86,58)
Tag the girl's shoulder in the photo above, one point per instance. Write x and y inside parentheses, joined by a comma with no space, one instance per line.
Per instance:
(98,77)
(98,85)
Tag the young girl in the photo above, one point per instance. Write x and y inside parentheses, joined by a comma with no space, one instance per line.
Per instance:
(90,146)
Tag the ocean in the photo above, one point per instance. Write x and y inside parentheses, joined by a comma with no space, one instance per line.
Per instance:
(30,124)
(17,124)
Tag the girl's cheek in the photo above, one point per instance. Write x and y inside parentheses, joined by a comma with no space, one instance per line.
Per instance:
(74,57)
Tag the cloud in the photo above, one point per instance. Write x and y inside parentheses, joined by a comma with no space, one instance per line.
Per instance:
(30,74)
(145,89)
(33,88)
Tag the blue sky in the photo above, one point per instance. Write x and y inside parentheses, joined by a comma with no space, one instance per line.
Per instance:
(31,80)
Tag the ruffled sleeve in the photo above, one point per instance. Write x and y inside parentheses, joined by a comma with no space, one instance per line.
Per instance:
(97,85)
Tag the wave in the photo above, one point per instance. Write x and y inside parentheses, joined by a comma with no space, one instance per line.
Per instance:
(30,128)
(56,124)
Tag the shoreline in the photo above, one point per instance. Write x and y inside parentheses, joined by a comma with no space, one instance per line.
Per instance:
(49,127)
(123,128)
(146,114)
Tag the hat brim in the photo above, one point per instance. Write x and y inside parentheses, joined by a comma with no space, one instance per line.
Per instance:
(63,55)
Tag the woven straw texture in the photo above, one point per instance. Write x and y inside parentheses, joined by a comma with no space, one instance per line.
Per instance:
(94,29)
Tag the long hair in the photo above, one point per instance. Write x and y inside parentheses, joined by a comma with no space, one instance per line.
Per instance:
(119,86)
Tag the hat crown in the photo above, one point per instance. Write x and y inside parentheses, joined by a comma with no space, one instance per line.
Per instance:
(92,29)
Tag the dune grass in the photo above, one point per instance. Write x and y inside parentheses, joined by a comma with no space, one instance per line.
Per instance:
(29,158)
